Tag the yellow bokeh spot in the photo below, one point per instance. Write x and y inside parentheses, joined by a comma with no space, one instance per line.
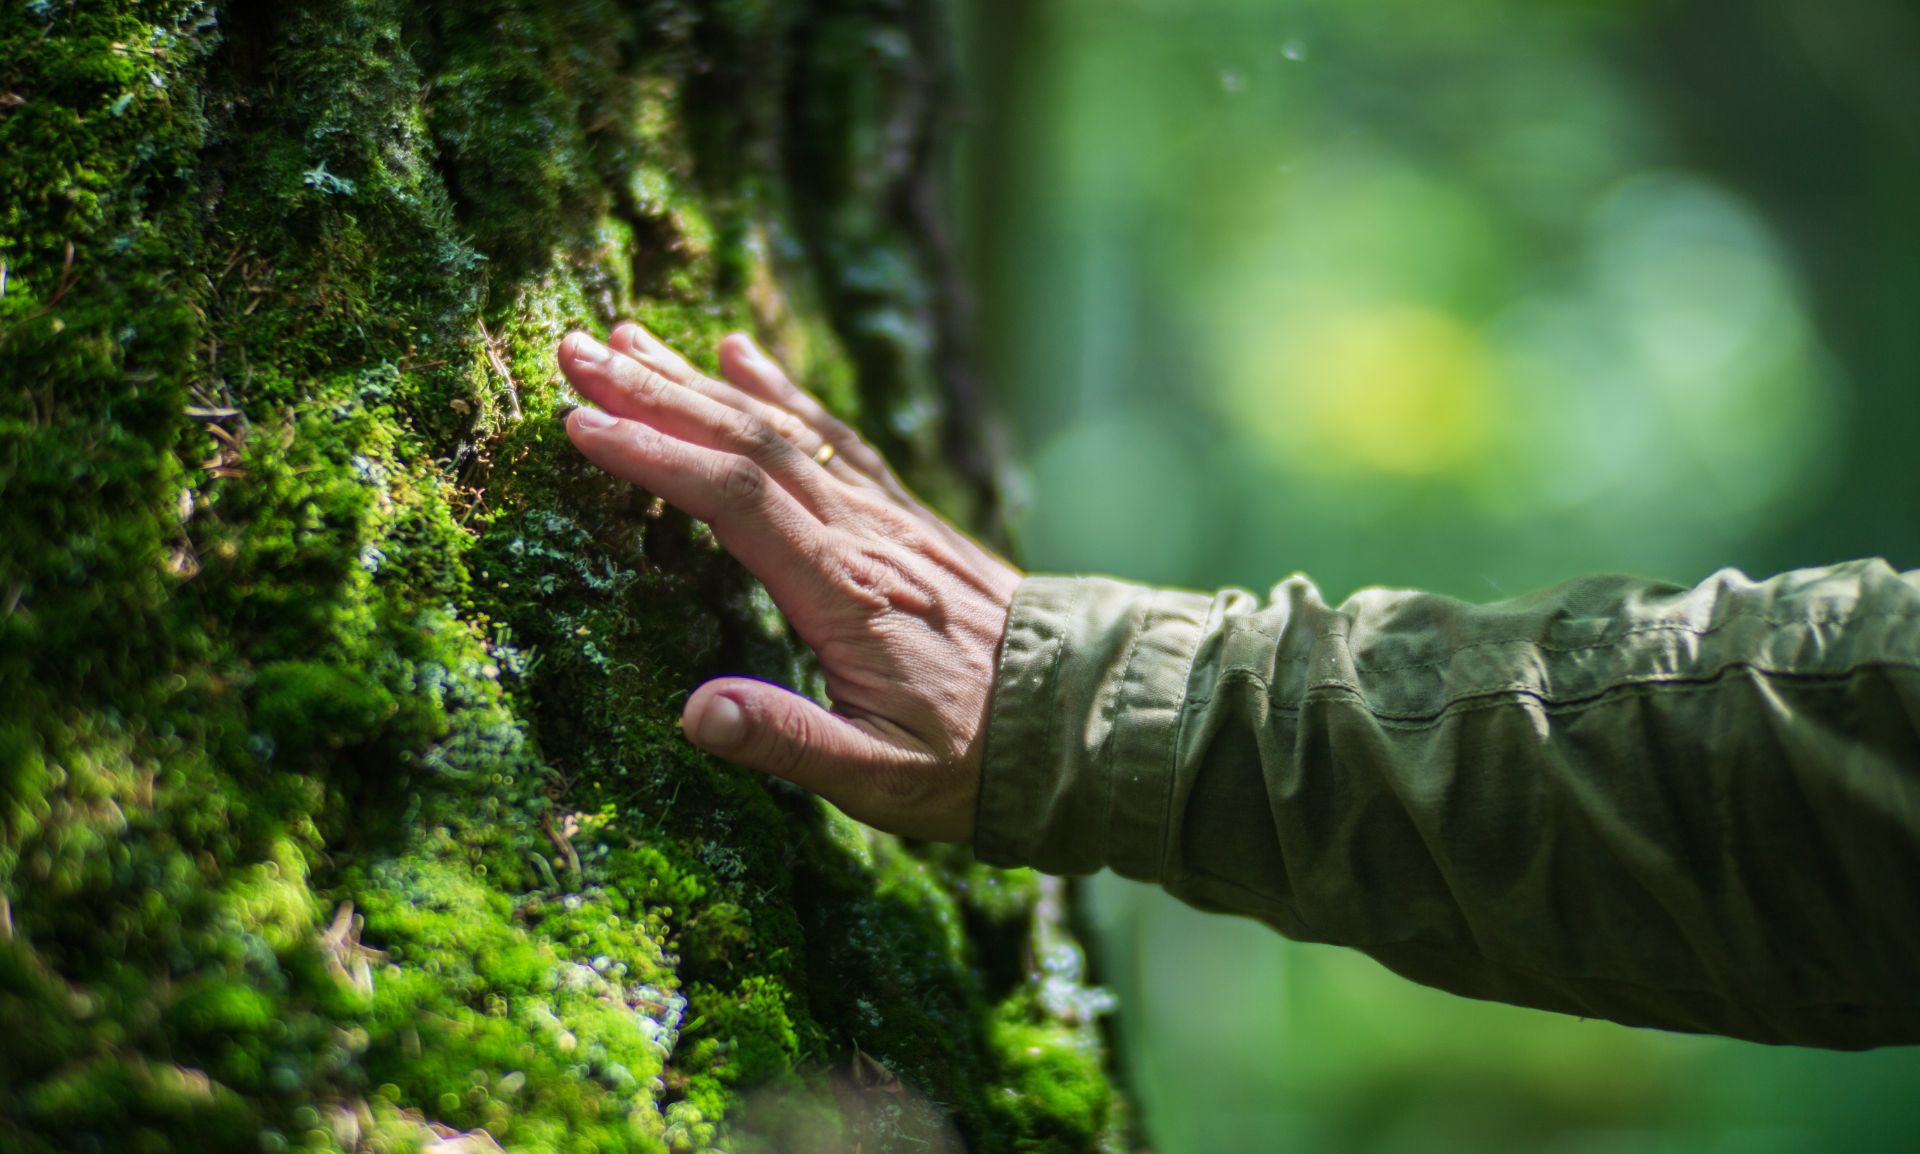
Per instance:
(1399,391)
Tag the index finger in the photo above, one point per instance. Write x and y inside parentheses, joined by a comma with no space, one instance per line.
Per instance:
(753,518)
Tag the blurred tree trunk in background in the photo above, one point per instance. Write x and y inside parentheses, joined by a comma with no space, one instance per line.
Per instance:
(342,801)
(1810,109)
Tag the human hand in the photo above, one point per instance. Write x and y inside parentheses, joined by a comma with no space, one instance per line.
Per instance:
(904,611)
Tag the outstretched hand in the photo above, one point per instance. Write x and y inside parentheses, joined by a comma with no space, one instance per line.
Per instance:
(904,611)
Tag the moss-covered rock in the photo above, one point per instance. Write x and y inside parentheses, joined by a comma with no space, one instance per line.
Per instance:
(342,804)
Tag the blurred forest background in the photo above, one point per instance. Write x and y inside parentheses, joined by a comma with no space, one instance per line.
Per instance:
(1472,296)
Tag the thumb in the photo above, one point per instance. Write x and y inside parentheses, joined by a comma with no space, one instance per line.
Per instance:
(772,729)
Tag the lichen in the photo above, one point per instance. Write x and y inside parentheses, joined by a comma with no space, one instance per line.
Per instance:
(342,802)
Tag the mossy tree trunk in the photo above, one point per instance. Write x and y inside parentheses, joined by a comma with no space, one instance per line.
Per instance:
(342,804)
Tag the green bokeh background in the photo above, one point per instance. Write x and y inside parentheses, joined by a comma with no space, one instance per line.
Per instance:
(1470,296)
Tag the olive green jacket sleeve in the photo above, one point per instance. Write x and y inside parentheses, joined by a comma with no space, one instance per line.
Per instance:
(1697,809)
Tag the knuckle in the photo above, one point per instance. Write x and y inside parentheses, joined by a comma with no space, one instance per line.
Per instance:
(865,572)
(838,431)
(848,447)
(785,425)
(759,437)
(882,580)
(789,743)
(858,451)
(897,525)
(741,481)
(645,384)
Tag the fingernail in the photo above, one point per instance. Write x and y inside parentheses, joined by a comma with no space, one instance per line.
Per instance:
(721,724)
(586,350)
(644,336)
(593,419)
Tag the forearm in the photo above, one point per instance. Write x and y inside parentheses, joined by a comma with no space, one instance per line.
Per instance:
(1691,808)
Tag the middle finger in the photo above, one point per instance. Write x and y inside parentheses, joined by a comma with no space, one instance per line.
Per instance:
(798,417)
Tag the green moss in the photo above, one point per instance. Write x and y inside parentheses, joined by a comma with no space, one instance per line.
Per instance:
(1054,1092)
(305,705)
(341,790)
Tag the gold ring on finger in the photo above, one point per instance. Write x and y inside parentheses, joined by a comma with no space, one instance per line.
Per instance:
(823,454)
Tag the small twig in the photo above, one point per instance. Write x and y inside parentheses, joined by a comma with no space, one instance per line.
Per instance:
(869,1073)
(203,399)
(233,258)
(561,843)
(499,364)
(66,280)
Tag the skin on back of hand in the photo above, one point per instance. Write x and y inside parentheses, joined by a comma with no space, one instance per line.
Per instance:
(904,611)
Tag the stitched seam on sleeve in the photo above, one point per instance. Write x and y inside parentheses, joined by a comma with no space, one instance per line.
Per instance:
(1051,686)
(1113,720)
(1501,696)
(1208,623)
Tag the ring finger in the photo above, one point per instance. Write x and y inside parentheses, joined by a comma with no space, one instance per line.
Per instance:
(757,376)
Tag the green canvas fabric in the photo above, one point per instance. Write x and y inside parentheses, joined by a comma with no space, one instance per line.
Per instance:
(1690,808)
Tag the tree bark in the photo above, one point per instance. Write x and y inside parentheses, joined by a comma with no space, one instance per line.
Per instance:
(342,804)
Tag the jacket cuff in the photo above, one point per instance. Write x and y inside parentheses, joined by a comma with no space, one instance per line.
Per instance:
(1083,726)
